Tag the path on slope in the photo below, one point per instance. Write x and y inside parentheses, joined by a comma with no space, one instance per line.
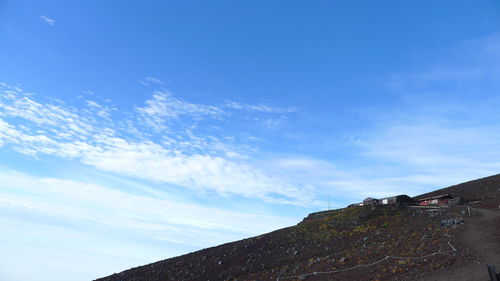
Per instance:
(480,236)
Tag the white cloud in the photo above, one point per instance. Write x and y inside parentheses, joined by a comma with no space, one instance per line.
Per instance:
(48,20)
(202,164)
(273,123)
(438,143)
(403,155)
(420,157)
(99,110)
(92,104)
(147,81)
(446,128)
(408,152)
(260,107)
(41,218)
(164,107)
(23,106)
(8,133)
(199,172)
(104,207)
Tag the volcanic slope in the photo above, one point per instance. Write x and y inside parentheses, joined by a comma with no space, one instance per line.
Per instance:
(360,243)
(326,241)
(485,190)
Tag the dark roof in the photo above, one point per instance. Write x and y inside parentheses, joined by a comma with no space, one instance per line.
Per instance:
(434,197)
(395,196)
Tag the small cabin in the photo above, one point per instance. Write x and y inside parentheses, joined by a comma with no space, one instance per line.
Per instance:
(400,200)
(370,201)
(438,200)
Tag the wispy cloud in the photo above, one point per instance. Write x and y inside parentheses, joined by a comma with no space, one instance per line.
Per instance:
(426,142)
(259,107)
(470,66)
(202,164)
(409,152)
(114,227)
(98,109)
(147,81)
(128,220)
(101,206)
(445,129)
(47,20)
(163,107)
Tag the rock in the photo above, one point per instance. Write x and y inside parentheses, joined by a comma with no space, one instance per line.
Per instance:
(425,237)
(292,251)
(452,221)
(302,277)
(283,270)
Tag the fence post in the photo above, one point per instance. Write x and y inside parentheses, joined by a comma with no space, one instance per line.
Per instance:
(494,276)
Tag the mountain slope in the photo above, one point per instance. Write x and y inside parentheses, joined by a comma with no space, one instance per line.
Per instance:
(486,190)
(361,243)
(330,240)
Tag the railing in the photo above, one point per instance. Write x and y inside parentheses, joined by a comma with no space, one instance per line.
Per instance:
(305,275)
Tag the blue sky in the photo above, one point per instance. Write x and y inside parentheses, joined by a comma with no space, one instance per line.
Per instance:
(132,131)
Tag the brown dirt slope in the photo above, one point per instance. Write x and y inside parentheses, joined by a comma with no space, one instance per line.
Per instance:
(479,240)
(486,190)
(361,243)
(326,241)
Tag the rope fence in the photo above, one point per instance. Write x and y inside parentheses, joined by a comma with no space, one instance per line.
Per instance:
(301,276)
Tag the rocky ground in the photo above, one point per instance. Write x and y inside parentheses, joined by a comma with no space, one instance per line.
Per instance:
(361,243)
(479,241)
(327,241)
(485,190)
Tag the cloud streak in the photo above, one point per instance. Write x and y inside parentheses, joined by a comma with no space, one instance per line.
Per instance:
(47,20)
(148,81)
(114,229)
(259,107)
(200,164)
(423,144)
(163,107)
(100,206)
